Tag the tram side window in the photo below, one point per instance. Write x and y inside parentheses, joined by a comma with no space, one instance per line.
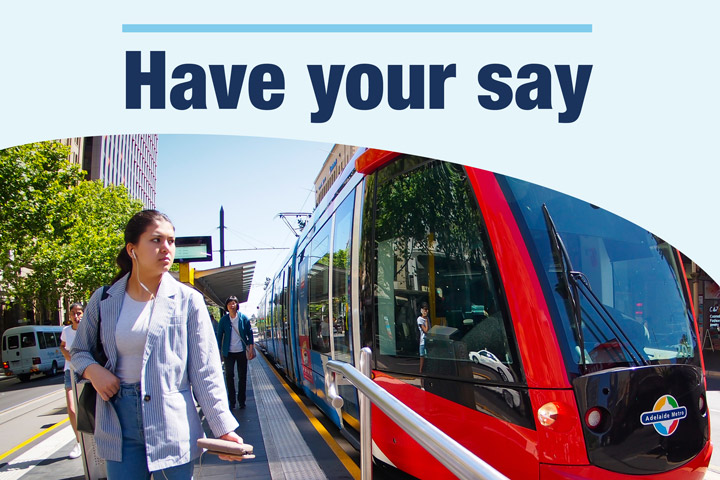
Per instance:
(302,296)
(286,302)
(432,248)
(278,308)
(262,324)
(341,279)
(318,290)
(268,316)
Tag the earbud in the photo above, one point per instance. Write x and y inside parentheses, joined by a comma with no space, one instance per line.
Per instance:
(133,254)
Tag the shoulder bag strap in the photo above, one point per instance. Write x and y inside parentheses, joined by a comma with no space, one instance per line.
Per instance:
(101,356)
(240,319)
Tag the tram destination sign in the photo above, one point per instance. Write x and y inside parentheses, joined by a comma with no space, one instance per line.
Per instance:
(193,249)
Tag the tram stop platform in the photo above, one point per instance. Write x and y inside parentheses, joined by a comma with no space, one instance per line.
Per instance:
(292,440)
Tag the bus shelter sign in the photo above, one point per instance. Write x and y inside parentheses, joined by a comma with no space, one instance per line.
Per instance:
(665,415)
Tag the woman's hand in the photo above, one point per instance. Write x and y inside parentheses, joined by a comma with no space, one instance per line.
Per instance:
(231,437)
(105,383)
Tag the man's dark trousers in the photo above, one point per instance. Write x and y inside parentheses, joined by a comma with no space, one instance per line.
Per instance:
(232,361)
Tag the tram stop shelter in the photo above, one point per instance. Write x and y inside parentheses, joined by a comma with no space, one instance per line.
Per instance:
(216,284)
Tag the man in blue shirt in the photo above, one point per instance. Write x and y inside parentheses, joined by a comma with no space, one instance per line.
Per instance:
(235,340)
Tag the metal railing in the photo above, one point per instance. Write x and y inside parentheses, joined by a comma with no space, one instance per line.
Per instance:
(456,458)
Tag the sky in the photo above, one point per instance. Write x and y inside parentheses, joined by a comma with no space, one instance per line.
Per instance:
(253,179)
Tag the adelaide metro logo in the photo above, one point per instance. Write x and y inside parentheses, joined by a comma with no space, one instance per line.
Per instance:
(665,415)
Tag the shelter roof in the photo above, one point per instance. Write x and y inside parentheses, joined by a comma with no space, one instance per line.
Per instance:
(219,283)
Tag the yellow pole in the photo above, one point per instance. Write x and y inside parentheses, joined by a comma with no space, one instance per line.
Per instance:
(187,274)
(431,277)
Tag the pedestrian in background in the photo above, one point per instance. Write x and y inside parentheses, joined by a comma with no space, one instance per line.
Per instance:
(66,341)
(423,323)
(236,343)
(159,342)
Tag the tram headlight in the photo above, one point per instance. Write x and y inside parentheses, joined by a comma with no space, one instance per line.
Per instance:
(548,414)
(557,416)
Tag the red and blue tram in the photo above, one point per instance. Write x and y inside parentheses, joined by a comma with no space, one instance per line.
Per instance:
(561,339)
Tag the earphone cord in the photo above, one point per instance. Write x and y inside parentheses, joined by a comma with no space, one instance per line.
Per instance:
(152,295)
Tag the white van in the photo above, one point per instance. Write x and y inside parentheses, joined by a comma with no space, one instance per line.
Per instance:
(32,349)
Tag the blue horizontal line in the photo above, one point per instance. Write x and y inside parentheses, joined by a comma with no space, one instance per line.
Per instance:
(355,28)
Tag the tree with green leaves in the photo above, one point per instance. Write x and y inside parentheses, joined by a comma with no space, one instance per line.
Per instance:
(59,234)
(32,179)
(74,264)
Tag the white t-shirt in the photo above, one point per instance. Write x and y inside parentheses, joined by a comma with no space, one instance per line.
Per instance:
(421,321)
(68,336)
(130,336)
(236,344)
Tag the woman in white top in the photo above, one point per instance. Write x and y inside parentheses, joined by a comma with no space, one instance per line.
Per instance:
(159,342)
(66,340)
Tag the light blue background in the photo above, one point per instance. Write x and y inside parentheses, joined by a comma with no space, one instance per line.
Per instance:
(645,145)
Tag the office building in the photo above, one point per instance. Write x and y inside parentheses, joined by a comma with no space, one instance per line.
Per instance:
(129,160)
(334,164)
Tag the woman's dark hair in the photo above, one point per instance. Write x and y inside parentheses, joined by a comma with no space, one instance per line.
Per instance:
(137,225)
(231,298)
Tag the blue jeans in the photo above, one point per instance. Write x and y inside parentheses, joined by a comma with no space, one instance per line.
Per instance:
(134,461)
(68,380)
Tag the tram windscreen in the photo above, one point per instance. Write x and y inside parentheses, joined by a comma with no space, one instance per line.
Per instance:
(633,309)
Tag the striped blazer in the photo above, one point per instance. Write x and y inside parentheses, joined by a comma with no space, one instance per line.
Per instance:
(180,352)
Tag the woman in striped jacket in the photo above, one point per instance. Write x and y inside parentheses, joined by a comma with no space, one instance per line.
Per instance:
(161,350)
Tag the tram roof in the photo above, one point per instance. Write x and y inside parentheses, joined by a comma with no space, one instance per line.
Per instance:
(219,283)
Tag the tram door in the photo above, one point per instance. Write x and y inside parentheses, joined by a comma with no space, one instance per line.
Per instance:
(285,322)
(317,316)
(277,319)
(341,311)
